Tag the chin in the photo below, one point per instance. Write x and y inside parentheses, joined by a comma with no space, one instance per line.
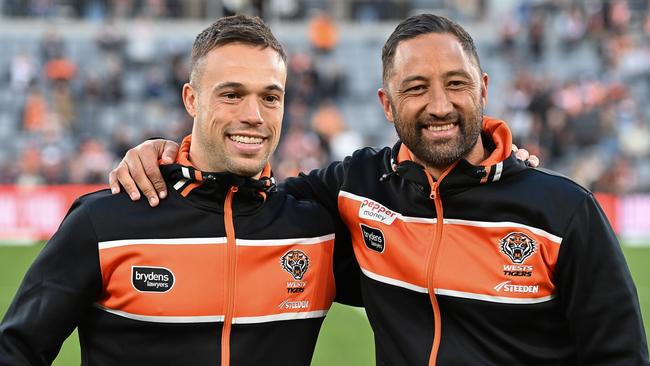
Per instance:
(248,169)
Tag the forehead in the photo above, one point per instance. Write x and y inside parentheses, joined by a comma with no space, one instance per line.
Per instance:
(249,65)
(430,53)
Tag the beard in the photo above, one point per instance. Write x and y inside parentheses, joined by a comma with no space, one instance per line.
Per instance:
(440,154)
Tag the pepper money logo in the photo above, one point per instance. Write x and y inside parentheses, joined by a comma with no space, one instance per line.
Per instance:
(375,211)
(152,279)
(518,246)
(296,262)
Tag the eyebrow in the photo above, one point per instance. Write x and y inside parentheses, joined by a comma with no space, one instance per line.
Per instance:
(236,85)
(413,78)
(459,72)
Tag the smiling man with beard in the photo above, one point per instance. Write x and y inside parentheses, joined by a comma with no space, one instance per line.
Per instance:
(468,256)
(446,129)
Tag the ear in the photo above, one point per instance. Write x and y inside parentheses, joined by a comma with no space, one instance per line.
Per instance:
(384,99)
(484,89)
(190,99)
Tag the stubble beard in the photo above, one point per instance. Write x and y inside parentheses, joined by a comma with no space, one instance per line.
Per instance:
(440,154)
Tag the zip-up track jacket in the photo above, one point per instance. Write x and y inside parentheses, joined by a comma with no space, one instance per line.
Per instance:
(221,273)
(495,264)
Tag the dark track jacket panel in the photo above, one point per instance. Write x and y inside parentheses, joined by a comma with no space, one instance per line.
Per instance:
(492,264)
(173,285)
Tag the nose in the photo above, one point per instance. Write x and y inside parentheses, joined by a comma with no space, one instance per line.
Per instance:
(251,112)
(439,105)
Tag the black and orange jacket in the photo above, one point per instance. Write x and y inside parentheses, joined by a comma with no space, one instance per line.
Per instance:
(225,271)
(491,264)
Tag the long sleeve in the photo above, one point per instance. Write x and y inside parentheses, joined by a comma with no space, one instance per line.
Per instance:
(57,290)
(597,292)
(322,186)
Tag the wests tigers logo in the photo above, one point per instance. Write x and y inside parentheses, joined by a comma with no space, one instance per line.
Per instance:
(518,246)
(296,262)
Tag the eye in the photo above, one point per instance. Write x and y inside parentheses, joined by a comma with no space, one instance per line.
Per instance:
(456,83)
(271,99)
(231,96)
(416,89)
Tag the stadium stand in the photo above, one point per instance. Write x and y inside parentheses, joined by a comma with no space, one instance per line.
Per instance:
(84,81)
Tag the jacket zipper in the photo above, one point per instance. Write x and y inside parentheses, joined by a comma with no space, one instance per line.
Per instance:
(432,262)
(231,259)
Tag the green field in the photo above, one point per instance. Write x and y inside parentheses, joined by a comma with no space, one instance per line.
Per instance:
(345,338)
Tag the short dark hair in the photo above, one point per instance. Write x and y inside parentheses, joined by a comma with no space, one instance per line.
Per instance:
(233,29)
(416,25)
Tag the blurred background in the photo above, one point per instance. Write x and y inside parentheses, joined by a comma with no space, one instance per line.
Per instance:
(82,81)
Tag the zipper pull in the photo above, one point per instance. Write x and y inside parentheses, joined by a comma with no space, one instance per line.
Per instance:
(234,189)
(433,191)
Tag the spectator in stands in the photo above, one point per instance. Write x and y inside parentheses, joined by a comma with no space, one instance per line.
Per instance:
(140,47)
(110,39)
(322,32)
(571,27)
(30,168)
(35,112)
(536,31)
(63,105)
(52,45)
(22,71)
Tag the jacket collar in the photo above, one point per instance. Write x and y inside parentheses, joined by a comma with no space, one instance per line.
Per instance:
(210,188)
(500,163)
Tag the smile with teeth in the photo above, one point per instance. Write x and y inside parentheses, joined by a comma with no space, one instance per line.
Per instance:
(444,127)
(246,139)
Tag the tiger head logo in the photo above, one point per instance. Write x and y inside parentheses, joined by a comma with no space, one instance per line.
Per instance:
(296,262)
(518,247)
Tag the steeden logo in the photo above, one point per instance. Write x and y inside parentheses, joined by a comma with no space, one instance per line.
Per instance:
(507,287)
(292,305)
(375,211)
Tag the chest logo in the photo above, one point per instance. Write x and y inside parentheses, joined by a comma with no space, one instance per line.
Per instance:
(373,238)
(508,287)
(375,211)
(296,262)
(152,279)
(518,246)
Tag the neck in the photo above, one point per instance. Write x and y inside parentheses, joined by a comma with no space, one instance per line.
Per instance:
(197,157)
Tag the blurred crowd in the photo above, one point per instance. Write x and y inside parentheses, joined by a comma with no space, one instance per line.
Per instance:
(76,117)
(72,118)
(593,122)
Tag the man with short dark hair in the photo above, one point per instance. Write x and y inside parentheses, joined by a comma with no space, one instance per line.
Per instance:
(227,271)
(468,257)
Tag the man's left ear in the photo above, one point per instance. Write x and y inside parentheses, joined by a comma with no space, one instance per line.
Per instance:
(385,104)
(189,99)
